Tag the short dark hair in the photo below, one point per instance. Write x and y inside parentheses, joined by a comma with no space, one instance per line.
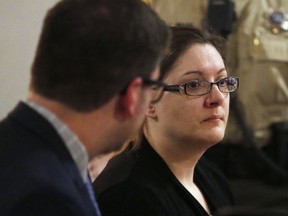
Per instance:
(183,38)
(89,50)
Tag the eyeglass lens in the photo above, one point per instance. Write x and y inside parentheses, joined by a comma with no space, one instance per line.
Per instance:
(225,85)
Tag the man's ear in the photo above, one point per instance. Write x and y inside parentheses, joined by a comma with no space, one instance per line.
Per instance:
(128,101)
(151,112)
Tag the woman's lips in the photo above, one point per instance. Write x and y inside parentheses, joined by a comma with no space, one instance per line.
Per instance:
(214,118)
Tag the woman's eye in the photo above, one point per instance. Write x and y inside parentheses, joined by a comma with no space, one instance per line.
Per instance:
(223,82)
(193,84)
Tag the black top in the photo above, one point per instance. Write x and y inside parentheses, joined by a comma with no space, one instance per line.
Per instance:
(139,183)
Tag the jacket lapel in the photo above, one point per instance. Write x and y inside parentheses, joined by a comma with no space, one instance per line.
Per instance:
(33,121)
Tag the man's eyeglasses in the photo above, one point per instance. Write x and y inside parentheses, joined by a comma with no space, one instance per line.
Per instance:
(157,87)
(202,87)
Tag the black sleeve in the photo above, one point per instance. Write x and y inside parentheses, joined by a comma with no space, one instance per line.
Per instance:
(137,201)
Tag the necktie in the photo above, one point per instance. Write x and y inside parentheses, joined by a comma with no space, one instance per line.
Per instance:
(92,197)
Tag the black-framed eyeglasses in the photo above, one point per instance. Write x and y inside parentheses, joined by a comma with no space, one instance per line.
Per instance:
(202,87)
(157,87)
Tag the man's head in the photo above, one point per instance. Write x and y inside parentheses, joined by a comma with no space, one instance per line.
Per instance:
(90,50)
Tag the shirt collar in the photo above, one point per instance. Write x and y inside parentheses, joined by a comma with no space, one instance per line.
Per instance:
(70,139)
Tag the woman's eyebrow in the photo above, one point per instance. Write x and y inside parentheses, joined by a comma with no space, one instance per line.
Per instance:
(198,72)
(221,70)
(193,72)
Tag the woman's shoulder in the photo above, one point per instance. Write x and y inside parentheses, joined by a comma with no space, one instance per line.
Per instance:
(128,169)
(130,198)
(127,187)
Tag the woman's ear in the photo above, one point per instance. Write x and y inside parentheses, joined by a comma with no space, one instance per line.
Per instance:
(151,111)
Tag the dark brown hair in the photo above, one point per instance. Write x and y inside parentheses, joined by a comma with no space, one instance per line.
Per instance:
(89,50)
(183,37)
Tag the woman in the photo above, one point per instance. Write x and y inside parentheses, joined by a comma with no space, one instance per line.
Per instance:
(166,174)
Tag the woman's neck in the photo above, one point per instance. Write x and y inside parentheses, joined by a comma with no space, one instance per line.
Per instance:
(179,156)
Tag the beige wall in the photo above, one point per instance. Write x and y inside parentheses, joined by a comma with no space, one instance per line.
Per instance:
(20,24)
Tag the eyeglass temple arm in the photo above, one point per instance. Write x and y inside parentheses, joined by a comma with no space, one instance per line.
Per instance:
(172,88)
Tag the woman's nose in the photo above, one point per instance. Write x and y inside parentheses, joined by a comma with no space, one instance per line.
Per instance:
(215,97)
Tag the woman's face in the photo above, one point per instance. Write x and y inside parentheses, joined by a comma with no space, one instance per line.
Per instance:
(197,119)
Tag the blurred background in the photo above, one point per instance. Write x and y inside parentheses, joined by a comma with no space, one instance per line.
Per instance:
(254,153)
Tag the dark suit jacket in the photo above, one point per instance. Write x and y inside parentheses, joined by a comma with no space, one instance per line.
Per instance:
(37,173)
